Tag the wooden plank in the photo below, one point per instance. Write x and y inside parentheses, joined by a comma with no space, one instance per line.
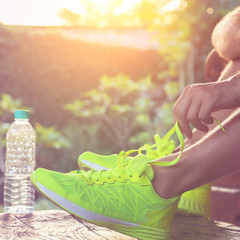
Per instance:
(52,225)
(60,225)
(199,228)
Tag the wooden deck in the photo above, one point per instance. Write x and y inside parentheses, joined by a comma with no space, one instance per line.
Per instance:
(59,225)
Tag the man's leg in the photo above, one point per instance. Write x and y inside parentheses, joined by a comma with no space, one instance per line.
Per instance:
(215,155)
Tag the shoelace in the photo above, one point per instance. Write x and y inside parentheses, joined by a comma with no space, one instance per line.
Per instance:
(161,149)
(122,155)
(96,175)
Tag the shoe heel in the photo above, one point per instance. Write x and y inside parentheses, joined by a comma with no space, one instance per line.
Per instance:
(196,201)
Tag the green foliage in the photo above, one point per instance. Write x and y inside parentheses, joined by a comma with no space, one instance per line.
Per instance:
(46,136)
(122,109)
(68,67)
(83,136)
(184,34)
(3,130)
(182,27)
(8,105)
(50,138)
(172,28)
(172,90)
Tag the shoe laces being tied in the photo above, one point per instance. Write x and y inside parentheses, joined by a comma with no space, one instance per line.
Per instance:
(149,149)
(138,165)
(134,168)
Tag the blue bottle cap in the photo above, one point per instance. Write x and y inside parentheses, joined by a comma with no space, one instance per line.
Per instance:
(21,114)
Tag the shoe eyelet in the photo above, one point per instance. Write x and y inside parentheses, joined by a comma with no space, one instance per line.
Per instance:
(131,176)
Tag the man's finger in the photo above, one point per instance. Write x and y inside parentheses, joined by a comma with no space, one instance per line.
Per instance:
(185,128)
(199,125)
(208,120)
(204,113)
(180,101)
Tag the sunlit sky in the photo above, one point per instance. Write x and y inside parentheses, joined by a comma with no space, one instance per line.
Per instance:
(45,12)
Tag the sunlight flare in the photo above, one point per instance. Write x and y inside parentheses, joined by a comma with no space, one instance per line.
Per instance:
(46,13)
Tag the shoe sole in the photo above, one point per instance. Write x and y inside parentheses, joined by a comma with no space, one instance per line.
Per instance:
(131,229)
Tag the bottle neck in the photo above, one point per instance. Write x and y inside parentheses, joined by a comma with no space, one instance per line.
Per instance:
(21,119)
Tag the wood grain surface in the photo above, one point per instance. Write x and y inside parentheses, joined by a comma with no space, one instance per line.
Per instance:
(58,224)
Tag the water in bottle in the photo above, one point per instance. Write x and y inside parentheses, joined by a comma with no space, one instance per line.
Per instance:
(20,163)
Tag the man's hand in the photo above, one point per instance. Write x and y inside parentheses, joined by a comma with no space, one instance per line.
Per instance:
(199,101)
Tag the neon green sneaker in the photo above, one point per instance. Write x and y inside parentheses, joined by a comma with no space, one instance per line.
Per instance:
(121,198)
(196,201)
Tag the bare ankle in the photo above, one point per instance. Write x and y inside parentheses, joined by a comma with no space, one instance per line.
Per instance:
(164,184)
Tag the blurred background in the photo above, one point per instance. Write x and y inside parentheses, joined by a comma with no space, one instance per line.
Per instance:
(103,76)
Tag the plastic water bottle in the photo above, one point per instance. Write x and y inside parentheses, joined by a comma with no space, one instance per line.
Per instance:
(20,163)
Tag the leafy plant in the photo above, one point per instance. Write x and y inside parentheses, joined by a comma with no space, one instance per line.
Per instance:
(123,109)
(50,138)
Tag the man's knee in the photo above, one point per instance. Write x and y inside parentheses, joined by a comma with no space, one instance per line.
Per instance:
(226,36)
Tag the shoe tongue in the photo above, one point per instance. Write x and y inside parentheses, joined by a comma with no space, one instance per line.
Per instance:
(140,164)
